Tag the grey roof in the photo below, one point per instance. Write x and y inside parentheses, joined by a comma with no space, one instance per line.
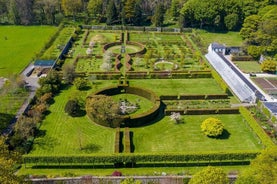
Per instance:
(44,63)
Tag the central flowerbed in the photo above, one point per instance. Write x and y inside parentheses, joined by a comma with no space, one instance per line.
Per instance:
(123,106)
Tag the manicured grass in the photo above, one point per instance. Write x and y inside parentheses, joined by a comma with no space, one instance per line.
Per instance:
(229,38)
(10,102)
(167,136)
(63,134)
(248,66)
(179,86)
(54,51)
(19,45)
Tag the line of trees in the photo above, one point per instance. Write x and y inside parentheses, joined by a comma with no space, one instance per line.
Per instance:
(224,15)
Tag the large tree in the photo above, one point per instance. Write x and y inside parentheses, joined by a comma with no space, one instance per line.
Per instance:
(111,13)
(158,17)
(46,10)
(95,9)
(262,169)
(210,175)
(103,109)
(72,7)
(7,161)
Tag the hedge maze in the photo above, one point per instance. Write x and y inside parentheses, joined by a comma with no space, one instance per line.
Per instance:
(192,89)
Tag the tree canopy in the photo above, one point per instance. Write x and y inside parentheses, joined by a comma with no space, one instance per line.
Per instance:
(262,169)
(212,127)
(210,175)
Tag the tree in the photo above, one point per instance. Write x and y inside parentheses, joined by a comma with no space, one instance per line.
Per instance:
(174,9)
(111,13)
(262,169)
(158,17)
(231,21)
(80,83)
(72,108)
(129,10)
(72,7)
(7,161)
(94,8)
(210,175)
(103,109)
(25,127)
(50,83)
(269,66)
(45,11)
(68,73)
(212,127)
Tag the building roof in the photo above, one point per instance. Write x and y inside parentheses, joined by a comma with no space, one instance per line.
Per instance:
(44,63)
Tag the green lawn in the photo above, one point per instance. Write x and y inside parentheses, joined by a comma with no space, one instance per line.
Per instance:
(179,86)
(62,134)
(166,136)
(19,45)
(229,38)
(248,66)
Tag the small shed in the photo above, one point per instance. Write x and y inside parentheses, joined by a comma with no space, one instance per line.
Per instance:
(44,63)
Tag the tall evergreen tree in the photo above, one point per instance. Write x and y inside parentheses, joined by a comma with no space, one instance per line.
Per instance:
(158,17)
(94,8)
(129,9)
(111,13)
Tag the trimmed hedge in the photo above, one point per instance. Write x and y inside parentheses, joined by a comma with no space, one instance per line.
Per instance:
(139,119)
(204,157)
(241,58)
(117,141)
(256,127)
(202,111)
(168,74)
(194,97)
(221,82)
(127,140)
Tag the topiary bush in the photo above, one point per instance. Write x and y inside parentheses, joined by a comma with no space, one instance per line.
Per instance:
(212,127)
(72,108)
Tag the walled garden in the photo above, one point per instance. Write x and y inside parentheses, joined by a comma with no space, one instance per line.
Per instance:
(159,74)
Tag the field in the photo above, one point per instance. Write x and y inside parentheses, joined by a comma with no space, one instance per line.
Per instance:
(229,39)
(167,136)
(19,46)
(248,66)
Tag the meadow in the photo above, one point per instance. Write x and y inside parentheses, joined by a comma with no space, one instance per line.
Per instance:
(19,45)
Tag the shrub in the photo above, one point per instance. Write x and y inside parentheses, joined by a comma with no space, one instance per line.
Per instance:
(116,173)
(212,127)
(72,107)
(210,175)
(80,83)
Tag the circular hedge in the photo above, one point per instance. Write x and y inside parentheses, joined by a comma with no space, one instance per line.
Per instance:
(134,120)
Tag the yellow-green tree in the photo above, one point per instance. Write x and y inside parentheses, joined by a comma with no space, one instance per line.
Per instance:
(262,169)
(71,7)
(210,175)
(269,66)
(7,161)
(212,127)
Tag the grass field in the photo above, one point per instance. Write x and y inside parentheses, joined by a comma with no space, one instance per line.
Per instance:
(167,136)
(179,86)
(248,66)
(63,134)
(229,38)
(19,45)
